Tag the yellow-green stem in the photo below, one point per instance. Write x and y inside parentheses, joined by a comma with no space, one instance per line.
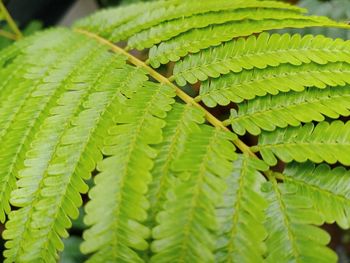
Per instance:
(10,21)
(279,176)
(171,78)
(8,35)
(226,122)
(161,79)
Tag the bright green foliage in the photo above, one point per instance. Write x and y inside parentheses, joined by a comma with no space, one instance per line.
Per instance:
(124,176)
(241,215)
(166,31)
(197,39)
(290,222)
(292,108)
(260,52)
(122,24)
(170,183)
(182,122)
(186,230)
(324,142)
(246,85)
(327,188)
(72,101)
(184,26)
(27,102)
(106,21)
(180,9)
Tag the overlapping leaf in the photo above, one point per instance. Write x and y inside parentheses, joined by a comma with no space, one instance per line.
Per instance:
(170,29)
(241,215)
(291,108)
(65,147)
(290,224)
(260,52)
(22,106)
(187,224)
(124,176)
(328,189)
(248,84)
(166,189)
(121,23)
(324,142)
(182,122)
(107,21)
(197,39)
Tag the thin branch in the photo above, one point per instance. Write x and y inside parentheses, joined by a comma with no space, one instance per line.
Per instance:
(10,21)
(160,78)
(8,35)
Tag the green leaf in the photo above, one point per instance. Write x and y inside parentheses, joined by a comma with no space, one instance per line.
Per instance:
(328,189)
(197,39)
(324,142)
(248,84)
(124,177)
(20,106)
(71,102)
(76,107)
(106,21)
(235,11)
(290,224)
(182,123)
(187,224)
(290,108)
(260,52)
(241,215)
(122,23)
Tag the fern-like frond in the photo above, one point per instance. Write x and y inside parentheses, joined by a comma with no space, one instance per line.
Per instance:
(72,96)
(198,39)
(169,187)
(324,142)
(184,27)
(260,52)
(105,22)
(248,84)
(173,28)
(22,107)
(241,215)
(182,121)
(290,108)
(143,17)
(187,225)
(124,176)
(290,224)
(328,189)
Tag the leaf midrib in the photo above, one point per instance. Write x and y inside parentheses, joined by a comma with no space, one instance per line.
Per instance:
(41,183)
(253,54)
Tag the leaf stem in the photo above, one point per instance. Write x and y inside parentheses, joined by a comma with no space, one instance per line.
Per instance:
(227,122)
(8,35)
(10,21)
(171,78)
(160,78)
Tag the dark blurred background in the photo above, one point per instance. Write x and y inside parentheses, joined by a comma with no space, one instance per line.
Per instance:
(46,13)
(52,12)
